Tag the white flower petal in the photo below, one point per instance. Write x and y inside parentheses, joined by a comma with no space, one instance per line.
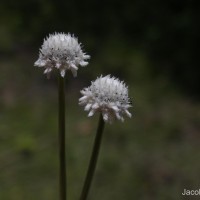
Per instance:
(62,72)
(40,63)
(87,107)
(128,113)
(91,113)
(117,115)
(83,98)
(95,106)
(74,66)
(83,63)
(86,57)
(105,116)
(58,65)
(47,70)
(115,108)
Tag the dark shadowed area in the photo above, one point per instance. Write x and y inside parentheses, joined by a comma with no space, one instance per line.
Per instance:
(153,46)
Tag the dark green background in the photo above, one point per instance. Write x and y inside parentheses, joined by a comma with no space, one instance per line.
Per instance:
(154,47)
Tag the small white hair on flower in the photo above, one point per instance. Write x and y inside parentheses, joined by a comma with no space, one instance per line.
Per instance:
(61,51)
(107,95)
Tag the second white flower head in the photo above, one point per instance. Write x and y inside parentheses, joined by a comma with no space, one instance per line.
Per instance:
(61,51)
(108,95)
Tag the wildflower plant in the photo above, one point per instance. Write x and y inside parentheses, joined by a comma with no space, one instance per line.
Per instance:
(108,96)
(62,52)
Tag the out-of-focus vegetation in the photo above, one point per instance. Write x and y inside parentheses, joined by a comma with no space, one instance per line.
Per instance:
(152,45)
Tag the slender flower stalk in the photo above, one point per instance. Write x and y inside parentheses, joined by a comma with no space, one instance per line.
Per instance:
(93,160)
(109,96)
(61,52)
(61,121)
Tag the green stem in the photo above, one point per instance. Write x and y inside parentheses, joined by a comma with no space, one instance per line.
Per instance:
(61,119)
(93,160)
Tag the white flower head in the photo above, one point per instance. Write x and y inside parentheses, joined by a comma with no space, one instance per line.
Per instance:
(107,95)
(61,51)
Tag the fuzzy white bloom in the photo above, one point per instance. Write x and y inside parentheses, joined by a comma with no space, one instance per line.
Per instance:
(61,51)
(107,95)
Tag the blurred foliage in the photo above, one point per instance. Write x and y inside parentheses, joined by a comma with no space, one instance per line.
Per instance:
(152,45)
(165,31)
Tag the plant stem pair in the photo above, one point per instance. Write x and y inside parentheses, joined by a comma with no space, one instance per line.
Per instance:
(62,157)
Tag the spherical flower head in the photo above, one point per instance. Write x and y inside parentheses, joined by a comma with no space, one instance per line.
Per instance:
(61,51)
(107,95)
